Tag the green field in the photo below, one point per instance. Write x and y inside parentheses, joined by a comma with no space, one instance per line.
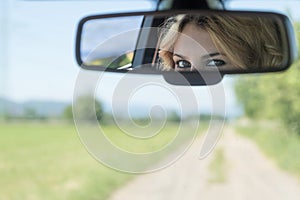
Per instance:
(276,142)
(48,161)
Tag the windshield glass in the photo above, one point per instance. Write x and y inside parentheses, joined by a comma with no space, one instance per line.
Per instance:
(69,133)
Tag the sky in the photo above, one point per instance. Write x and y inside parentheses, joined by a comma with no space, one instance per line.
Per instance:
(287,7)
(37,50)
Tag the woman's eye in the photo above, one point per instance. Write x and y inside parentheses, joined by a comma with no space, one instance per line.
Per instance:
(183,64)
(215,63)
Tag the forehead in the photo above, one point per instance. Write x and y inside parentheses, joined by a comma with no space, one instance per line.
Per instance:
(194,38)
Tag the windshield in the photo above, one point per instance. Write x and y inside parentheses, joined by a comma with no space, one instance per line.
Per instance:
(69,133)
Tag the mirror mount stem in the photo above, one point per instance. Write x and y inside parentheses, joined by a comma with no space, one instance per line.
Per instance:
(190,4)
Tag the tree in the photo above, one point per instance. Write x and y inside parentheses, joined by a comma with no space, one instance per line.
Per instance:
(30,113)
(173,116)
(68,113)
(87,108)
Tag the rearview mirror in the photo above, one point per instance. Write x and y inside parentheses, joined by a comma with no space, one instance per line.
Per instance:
(223,42)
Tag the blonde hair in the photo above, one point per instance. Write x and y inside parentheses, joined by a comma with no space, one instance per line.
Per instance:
(248,42)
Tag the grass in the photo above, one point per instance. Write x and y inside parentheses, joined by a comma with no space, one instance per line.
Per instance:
(217,167)
(47,161)
(151,142)
(276,142)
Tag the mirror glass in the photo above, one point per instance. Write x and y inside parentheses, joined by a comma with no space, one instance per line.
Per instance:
(196,41)
(104,41)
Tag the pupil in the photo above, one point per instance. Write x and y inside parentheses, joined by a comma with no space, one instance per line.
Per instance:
(184,64)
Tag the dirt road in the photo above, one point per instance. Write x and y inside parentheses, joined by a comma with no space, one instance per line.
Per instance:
(246,174)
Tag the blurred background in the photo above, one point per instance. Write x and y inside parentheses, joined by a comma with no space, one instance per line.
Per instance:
(42,156)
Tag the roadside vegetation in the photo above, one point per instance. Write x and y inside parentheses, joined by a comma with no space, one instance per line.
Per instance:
(217,167)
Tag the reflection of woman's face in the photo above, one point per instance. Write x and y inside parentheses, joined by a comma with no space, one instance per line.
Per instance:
(194,49)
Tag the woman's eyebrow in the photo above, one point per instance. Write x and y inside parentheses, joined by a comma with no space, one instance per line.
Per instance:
(203,57)
(212,55)
(180,56)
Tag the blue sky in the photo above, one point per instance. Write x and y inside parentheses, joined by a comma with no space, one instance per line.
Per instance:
(38,62)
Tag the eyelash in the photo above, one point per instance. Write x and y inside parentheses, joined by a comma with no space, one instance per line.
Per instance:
(217,63)
(210,63)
